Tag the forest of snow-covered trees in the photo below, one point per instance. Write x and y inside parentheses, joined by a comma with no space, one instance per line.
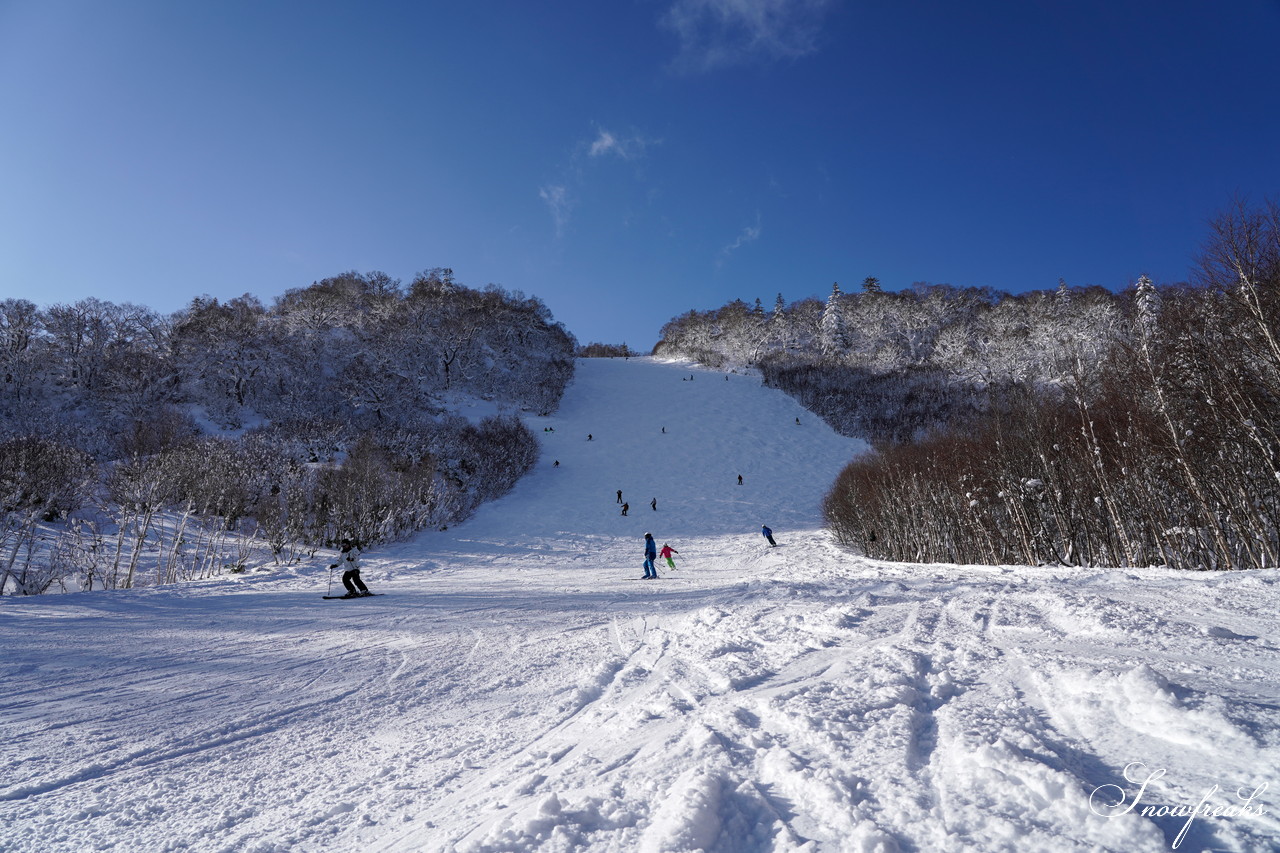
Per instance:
(1073,426)
(325,415)
(891,366)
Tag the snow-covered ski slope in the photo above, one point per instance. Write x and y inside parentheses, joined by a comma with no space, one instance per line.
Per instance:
(518,689)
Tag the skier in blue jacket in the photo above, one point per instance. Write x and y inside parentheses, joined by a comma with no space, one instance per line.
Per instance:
(768,534)
(650,554)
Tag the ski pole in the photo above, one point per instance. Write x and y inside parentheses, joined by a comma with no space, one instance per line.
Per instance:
(332,566)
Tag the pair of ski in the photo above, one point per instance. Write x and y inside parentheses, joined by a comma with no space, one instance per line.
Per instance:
(333,597)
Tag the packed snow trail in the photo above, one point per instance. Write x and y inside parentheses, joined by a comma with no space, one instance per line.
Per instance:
(517,689)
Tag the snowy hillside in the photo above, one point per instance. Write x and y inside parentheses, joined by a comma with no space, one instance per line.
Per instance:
(519,689)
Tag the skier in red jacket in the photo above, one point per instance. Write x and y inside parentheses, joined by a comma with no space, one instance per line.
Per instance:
(666,553)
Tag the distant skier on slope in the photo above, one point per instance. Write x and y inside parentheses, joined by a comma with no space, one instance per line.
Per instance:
(666,553)
(619,495)
(349,559)
(654,504)
(650,554)
(768,534)
(625,507)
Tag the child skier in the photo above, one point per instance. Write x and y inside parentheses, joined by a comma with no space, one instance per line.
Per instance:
(666,553)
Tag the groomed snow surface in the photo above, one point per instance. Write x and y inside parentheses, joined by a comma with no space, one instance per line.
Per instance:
(519,689)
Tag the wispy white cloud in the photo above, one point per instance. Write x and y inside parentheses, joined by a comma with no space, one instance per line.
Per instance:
(749,234)
(556,197)
(604,143)
(714,33)
(628,147)
(559,194)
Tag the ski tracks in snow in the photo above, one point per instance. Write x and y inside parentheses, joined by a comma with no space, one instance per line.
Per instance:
(887,710)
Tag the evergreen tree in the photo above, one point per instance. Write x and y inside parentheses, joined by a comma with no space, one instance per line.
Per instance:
(1147,302)
(778,323)
(833,337)
(871,284)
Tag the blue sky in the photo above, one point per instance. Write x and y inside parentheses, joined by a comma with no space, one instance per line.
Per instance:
(627,160)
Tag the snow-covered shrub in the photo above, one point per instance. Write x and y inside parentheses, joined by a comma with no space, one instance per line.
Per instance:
(382,484)
(160,429)
(881,407)
(221,476)
(502,450)
(45,476)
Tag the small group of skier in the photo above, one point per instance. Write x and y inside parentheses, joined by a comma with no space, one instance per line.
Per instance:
(653,504)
